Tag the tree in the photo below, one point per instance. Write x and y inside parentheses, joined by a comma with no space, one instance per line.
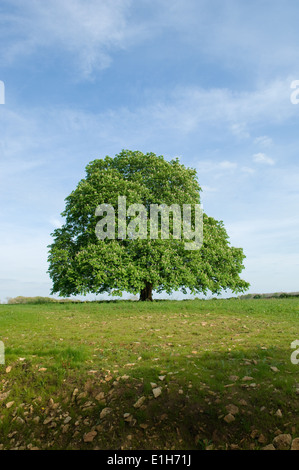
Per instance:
(80,263)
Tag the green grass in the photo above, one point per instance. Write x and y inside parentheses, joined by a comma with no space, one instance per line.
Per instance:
(119,348)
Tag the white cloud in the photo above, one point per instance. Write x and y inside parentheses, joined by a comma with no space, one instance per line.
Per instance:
(247,169)
(226,165)
(263,158)
(189,109)
(87,29)
(263,141)
(236,33)
(212,166)
(90,30)
(240,130)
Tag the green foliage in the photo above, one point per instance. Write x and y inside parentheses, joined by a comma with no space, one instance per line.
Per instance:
(79,263)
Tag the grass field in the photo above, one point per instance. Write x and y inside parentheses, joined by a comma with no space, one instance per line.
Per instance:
(221,372)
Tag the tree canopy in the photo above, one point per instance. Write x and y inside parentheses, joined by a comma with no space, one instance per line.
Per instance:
(81,263)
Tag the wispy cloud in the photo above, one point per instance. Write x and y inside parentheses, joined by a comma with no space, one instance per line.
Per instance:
(88,30)
(58,142)
(248,170)
(263,141)
(263,158)
(229,32)
(226,165)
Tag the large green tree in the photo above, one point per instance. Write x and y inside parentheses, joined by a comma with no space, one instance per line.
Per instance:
(81,263)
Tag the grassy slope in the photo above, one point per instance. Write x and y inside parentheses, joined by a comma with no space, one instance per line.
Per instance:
(111,352)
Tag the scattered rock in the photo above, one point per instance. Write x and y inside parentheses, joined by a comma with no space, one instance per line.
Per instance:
(87,404)
(254,434)
(233,378)
(232,409)
(247,379)
(243,402)
(229,418)
(4,395)
(128,417)
(143,426)
(105,412)
(8,369)
(295,444)
(269,447)
(139,402)
(157,392)
(278,414)
(282,441)
(274,369)
(100,396)
(51,403)
(9,404)
(89,437)
(48,420)
(19,420)
(262,439)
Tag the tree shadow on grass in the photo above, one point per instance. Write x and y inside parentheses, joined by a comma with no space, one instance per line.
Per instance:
(218,399)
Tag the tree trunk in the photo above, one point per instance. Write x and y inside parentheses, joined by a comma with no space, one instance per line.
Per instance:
(146,293)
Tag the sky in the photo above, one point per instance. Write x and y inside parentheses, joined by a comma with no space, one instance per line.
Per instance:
(207,81)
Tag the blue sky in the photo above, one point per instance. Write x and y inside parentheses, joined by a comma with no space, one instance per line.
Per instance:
(207,81)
